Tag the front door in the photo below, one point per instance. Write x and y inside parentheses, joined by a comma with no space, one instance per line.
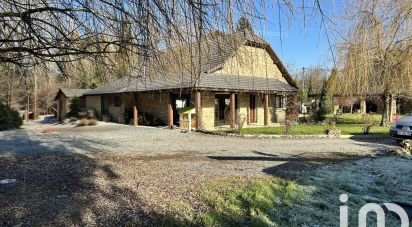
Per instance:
(252,107)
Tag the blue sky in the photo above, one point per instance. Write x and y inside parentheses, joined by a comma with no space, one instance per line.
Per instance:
(298,45)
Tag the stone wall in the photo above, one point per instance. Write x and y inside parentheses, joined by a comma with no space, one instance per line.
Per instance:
(155,104)
(208,110)
(251,61)
(244,101)
(280,115)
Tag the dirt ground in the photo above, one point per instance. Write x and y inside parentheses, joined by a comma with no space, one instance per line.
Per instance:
(111,175)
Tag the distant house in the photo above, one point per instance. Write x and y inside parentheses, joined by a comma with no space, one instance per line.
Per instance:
(65,97)
(236,78)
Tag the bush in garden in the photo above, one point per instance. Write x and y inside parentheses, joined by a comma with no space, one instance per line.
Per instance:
(75,109)
(92,122)
(83,122)
(9,118)
(292,114)
(325,106)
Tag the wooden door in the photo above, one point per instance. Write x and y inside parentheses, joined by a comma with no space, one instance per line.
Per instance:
(252,107)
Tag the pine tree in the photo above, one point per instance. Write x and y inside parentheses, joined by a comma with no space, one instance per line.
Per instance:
(325,106)
(244,24)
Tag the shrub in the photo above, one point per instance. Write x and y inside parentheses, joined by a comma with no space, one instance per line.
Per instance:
(325,106)
(331,130)
(92,122)
(369,123)
(75,108)
(9,118)
(91,114)
(83,122)
(292,114)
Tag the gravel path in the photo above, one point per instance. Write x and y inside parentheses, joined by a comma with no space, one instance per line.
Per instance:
(113,174)
(149,141)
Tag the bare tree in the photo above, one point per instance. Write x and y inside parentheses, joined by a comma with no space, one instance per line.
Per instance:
(378,49)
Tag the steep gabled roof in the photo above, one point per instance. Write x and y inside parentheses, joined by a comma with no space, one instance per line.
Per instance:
(71,93)
(221,49)
(175,72)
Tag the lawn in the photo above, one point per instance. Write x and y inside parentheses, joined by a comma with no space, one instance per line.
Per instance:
(311,200)
(349,124)
(316,129)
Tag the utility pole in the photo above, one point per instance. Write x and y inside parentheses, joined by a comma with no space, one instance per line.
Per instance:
(303,79)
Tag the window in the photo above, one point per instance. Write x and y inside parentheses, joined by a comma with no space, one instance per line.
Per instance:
(117,101)
(279,101)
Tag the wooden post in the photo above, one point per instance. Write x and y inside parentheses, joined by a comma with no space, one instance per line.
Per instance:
(232,110)
(198,108)
(189,117)
(266,110)
(170,112)
(135,116)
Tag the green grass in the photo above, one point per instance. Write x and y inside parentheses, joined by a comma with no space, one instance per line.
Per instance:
(316,129)
(311,200)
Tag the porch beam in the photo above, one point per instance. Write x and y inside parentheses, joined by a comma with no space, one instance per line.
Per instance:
(232,110)
(198,108)
(266,110)
(170,111)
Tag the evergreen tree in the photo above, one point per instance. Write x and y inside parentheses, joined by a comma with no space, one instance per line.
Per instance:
(244,24)
(325,106)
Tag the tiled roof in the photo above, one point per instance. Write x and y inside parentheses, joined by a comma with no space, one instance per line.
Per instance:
(127,84)
(207,81)
(245,83)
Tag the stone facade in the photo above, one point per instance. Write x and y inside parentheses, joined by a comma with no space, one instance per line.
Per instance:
(251,61)
(276,115)
(208,110)
(155,104)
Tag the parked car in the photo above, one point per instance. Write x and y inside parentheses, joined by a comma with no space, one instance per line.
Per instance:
(402,128)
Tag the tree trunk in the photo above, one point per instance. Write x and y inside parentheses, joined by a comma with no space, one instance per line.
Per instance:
(363,106)
(35,97)
(28,108)
(385,113)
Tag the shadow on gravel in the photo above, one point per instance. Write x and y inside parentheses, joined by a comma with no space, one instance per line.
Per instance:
(63,188)
(293,165)
(380,143)
(21,142)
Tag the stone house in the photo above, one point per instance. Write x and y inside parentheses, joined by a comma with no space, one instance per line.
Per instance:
(238,79)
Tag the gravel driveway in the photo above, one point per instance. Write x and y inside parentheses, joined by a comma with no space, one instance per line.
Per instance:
(86,172)
(148,141)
